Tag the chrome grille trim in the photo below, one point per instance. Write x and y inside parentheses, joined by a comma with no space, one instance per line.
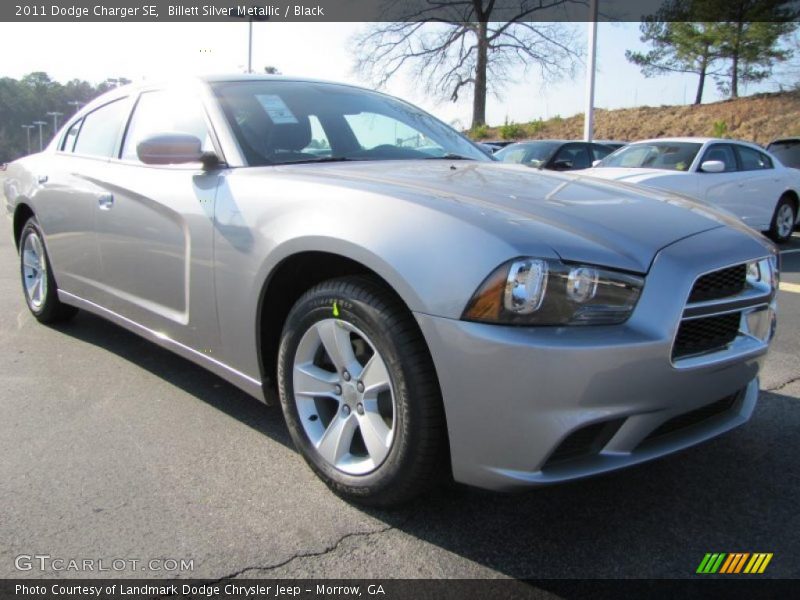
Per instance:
(752,298)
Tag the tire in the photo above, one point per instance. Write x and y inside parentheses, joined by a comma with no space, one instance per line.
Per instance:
(38,285)
(783,220)
(392,441)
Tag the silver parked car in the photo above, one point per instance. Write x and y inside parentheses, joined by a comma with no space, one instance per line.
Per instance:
(415,312)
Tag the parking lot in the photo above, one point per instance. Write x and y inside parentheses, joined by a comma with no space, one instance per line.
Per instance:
(114,448)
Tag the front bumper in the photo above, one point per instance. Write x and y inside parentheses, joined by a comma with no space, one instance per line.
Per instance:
(528,406)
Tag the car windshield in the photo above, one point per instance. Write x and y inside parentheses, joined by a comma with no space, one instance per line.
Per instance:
(787,151)
(526,153)
(282,122)
(674,156)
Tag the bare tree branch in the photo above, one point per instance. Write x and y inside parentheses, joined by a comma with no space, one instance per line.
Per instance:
(471,51)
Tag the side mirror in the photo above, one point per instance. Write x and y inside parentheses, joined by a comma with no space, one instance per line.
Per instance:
(596,162)
(712,166)
(174,149)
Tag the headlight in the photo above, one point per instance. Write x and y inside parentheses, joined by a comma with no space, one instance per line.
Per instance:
(534,291)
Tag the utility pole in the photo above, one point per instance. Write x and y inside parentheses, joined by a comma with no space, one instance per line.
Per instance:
(588,119)
(252,17)
(77,104)
(27,129)
(55,115)
(250,46)
(40,123)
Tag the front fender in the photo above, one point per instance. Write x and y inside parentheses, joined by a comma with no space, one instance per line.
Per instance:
(434,259)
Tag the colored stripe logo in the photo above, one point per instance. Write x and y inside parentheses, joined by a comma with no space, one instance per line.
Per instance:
(734,563)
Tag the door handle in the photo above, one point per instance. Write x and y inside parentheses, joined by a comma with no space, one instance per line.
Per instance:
(42,179)
(105,201)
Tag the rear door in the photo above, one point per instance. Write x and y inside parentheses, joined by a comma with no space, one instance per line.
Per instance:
(155,236)
(760,188)
(73,185)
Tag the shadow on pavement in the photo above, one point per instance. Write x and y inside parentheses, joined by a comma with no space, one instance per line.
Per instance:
(180,372)
(734,494)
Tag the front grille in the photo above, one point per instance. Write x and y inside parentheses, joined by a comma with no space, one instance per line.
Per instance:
(706,334)
(719,284)
(694,417)
(584,442)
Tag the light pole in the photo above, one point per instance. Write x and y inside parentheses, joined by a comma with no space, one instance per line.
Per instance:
(588,119)
(27,129)
(76,103)
(40,123)
(253,16)
(250,46)
(55,115)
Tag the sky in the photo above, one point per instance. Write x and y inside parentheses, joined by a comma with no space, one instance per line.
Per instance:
(96,51)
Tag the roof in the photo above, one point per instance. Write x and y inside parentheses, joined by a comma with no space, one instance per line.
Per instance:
(698,140)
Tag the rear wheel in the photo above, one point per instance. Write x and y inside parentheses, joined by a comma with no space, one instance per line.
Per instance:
(359,392)
(38,284)
(783,220)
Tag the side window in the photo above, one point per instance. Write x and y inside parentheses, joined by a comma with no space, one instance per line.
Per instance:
(752,159)
(100,131)
(319,144)
(68,143)
(165,112)
(724,154)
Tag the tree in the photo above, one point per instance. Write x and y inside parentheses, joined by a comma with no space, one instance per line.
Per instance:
(270,70)
(464,46)
(30,99)
(753,50)
(689,36)
(679,47)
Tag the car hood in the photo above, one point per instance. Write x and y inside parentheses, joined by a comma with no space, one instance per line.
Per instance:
(580,218)
(629,175)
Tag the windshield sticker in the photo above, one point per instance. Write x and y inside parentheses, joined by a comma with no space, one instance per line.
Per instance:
(276,108)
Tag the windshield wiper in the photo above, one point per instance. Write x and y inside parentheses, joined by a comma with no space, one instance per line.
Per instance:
(448,156)
(321,159)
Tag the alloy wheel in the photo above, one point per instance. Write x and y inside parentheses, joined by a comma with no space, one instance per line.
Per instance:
(785,221)
(344,396)
(34,270)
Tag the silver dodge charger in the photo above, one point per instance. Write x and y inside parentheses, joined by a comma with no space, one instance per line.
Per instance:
(419,310)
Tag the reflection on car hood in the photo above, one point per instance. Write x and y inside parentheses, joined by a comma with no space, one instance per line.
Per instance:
(629,175)
(580,218)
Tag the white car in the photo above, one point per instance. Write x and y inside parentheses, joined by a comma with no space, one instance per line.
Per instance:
(737,176)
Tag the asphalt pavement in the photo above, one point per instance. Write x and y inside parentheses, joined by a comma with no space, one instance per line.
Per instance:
(112,448)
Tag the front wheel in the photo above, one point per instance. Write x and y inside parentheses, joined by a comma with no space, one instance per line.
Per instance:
(38,284)
(359,392)
(783,220)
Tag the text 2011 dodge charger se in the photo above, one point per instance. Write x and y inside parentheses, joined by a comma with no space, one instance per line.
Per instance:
(417,306)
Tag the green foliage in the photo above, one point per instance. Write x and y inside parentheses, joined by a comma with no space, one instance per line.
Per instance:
(30,99)
(731,40)
(719,129)
(511,131)
(481,132)
(679,47)
(536,127)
